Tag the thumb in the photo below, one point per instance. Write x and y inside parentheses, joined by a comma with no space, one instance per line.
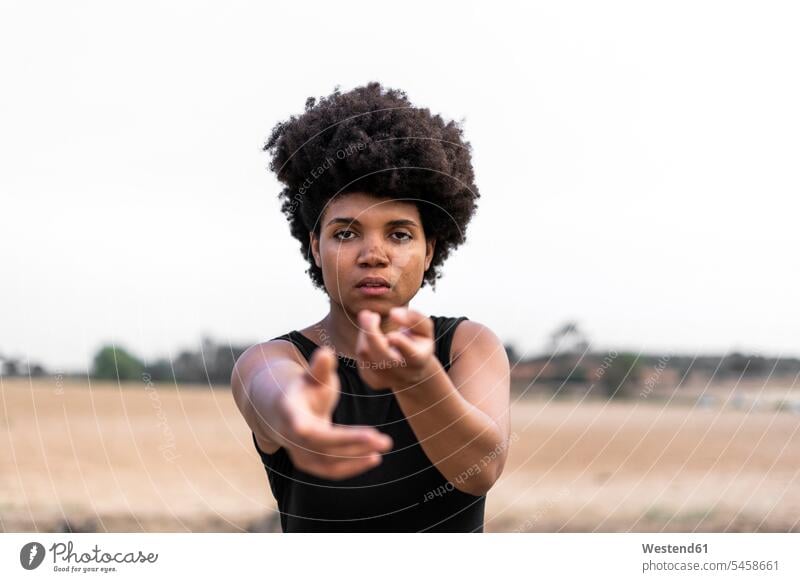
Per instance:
(323,367)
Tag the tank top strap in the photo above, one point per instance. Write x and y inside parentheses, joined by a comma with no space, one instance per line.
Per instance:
(304,345)
(444,328)
(307,347)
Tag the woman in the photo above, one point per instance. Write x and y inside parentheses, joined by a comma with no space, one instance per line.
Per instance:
(376,418)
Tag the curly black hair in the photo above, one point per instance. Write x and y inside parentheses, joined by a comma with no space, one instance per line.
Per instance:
(372,139)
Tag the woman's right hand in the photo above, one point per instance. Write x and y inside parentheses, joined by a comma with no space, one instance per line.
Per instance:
(314,444)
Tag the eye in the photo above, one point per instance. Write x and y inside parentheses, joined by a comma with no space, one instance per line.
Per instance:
(336,235)
(403,234)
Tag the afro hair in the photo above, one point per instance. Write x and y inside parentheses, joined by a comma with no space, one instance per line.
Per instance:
(373,140)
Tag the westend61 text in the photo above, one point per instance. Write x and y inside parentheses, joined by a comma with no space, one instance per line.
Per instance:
(673,549)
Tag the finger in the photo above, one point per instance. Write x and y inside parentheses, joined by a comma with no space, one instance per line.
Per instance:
(351,451)
(320,435)
(322,366)
(345,469)
(403,344)
(362,343)
(380,440)
(375,347)
(370,328)
(418,323)
(372,441)
(399,315)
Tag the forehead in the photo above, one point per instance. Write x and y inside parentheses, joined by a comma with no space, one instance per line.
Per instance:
(366,207)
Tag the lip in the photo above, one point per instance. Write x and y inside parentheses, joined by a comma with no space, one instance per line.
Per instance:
(371,291)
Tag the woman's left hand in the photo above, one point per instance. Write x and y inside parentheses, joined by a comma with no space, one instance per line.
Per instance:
(399,358)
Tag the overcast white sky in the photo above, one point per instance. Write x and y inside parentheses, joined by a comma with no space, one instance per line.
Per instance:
(638,164)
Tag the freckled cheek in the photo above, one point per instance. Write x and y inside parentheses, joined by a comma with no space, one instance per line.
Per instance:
(335,259)
(409,263)
(341,261)
(336,266)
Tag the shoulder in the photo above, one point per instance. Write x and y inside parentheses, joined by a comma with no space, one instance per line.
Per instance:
(274,348)
(267,352)
(473,336)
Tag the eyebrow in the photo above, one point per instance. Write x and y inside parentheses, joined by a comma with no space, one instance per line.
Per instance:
(349,220)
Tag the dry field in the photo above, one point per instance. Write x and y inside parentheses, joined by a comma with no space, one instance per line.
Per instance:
(137,458)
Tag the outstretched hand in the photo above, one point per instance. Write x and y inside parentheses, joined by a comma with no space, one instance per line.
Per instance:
(311,440)
(399,358)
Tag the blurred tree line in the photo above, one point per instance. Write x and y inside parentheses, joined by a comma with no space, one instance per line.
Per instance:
(569,365)
(211,364)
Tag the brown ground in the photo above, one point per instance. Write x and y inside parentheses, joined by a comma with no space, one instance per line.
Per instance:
(107,458)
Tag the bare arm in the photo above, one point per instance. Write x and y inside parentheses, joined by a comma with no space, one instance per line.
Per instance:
(289,404)
(270,365)
(461,417)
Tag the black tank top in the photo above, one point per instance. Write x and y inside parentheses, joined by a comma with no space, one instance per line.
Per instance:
(405,493)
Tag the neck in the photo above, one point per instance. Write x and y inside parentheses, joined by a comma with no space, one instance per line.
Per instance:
(342,328)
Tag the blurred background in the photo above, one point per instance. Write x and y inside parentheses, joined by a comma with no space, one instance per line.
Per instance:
(635,247)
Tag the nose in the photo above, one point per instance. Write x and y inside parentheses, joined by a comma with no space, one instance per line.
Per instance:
(373,254)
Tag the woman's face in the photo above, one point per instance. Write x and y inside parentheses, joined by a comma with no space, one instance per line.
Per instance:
(364,236)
